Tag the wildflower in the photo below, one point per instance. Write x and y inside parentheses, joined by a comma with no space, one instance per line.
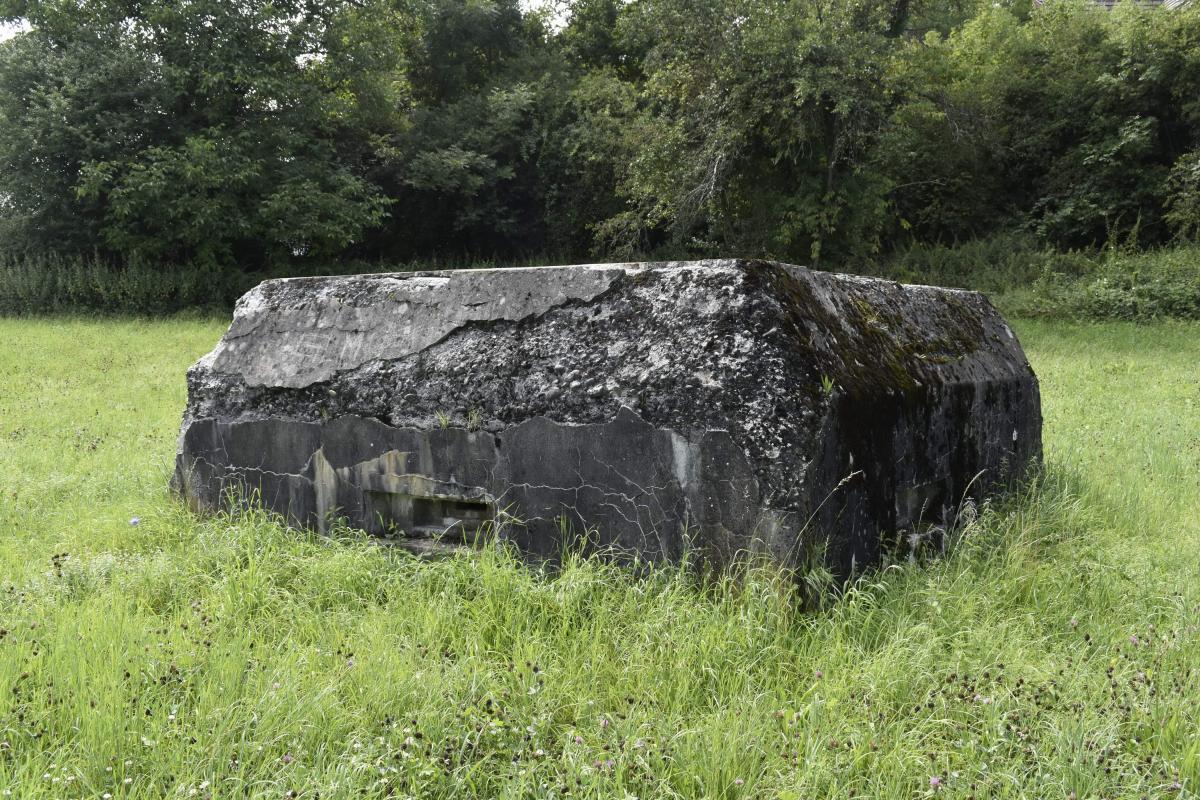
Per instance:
(819,674)
(738,782)
(578,740)
(603,722)
(287,758)
(135,521)
(1074,622)
(935,782)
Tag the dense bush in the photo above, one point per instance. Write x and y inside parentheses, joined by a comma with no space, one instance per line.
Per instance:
(1031,280)
(994,264)
(51,284)
(1139,287)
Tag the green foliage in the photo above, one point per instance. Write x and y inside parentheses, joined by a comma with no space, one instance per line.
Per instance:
(1067,121)
(265,136)
(1127,286)
(1052,652)
(593,139)
(50,284)
(207,132)
(757,123)
(1028,279)
(39,284)
(994,264)
(1183,200)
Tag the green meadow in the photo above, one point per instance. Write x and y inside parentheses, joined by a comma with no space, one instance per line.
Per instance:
(1052,653)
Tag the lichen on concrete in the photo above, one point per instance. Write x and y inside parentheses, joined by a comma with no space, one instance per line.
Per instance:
(669,409)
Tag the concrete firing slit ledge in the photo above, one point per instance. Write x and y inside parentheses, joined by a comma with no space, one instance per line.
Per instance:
(738,391)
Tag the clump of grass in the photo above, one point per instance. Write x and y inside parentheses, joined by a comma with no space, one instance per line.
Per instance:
(1053,651)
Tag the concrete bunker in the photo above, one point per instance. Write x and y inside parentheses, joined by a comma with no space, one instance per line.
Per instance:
(674,410)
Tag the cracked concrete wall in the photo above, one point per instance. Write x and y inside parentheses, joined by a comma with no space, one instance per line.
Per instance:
(691,408)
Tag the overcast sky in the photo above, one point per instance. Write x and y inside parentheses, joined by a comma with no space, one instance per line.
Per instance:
(7,29)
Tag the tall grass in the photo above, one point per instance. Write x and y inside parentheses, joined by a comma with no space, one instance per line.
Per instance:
(47,283)
(1053,652)
(1028,279)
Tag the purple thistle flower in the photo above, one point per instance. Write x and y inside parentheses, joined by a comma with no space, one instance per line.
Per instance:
(935,781)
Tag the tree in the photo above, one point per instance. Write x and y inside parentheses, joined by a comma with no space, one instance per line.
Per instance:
(460,161)
(759,118)
(1066,121)
(204,131)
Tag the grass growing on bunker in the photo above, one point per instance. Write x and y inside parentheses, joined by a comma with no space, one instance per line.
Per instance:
(1055,652)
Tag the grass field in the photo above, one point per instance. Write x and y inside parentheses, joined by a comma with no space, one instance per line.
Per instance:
(1054,654)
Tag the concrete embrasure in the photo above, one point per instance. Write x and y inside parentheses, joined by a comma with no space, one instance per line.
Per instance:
(681,409)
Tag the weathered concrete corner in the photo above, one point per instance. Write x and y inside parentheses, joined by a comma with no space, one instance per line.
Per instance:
(673,409)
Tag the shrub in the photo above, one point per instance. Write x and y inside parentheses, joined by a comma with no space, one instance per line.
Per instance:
(1027,279)
(994,264)
(48,284)
(1137,287)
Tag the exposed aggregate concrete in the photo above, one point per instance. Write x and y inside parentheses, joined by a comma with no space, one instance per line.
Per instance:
(677,408)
